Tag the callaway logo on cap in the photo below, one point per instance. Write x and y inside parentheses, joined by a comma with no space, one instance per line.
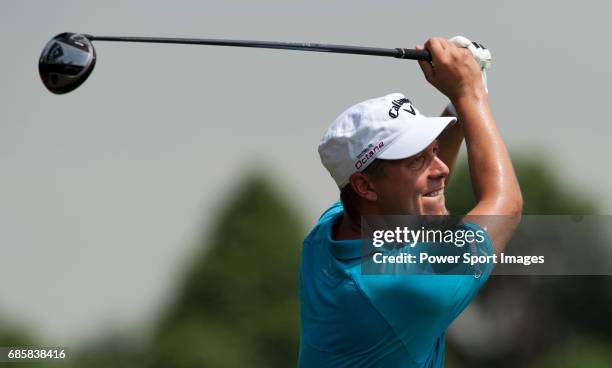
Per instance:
(388,127)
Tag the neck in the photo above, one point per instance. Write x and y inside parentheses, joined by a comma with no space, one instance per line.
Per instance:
(347,228)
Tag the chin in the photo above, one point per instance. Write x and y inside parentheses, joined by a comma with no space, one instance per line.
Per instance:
(438,208)
(436,212)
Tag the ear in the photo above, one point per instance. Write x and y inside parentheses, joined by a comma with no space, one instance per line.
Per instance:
(363,186)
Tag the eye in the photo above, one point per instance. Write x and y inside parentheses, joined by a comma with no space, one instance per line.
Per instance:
(417,163)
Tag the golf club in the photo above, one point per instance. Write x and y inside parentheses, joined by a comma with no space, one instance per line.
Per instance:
(69,58)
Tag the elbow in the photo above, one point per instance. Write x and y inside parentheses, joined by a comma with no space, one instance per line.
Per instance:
(511,210)
(512,201)
(518,210)
(516,206)
(508,205)
(505,203)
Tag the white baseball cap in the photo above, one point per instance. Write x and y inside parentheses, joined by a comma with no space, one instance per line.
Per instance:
(387,127)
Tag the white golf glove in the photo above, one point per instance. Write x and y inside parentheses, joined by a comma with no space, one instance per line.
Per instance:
(481,54)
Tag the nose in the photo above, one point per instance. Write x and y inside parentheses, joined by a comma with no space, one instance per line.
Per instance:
(438,169)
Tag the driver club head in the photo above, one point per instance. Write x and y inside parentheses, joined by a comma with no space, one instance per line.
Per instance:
(66,62)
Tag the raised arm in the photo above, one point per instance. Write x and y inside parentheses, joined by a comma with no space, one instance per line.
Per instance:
(450,142)
(454,72)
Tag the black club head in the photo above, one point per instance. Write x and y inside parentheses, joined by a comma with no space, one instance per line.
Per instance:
(66,62)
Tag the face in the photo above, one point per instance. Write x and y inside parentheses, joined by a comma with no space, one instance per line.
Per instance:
(414,185)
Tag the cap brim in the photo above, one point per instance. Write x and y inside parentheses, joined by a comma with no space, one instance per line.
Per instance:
(420,135)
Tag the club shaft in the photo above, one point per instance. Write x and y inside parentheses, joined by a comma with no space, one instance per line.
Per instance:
(399,53)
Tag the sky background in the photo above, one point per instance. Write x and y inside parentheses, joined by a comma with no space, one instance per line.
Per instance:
(105,191)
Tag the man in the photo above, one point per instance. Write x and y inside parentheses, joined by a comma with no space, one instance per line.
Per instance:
(388,159)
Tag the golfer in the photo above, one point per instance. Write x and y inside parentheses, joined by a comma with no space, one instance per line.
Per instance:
(388,159)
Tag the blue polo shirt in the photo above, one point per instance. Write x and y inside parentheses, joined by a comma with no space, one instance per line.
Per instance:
(354,320)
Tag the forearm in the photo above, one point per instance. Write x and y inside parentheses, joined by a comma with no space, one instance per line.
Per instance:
(493,178)
(450,143)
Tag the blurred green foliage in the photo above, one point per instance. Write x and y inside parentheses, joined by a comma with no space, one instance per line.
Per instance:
(13,334)
(578,353)
(113,349)
(238,305)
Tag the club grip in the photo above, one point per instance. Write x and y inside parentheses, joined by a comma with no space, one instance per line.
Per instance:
(413,54)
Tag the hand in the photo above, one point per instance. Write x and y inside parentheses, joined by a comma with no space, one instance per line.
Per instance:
(453,70)
(481,54)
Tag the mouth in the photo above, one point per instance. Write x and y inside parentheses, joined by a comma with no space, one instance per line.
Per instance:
(434,193)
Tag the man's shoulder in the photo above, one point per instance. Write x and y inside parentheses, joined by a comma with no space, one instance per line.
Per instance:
(331,211)
(328,215)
